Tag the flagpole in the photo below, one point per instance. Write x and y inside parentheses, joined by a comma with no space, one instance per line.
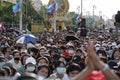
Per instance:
(20,21)
(81,8)
(55,14)
(55,21)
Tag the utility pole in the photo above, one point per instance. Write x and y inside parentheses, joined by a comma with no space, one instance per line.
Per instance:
(20,22)
(94,7)
(81,8)
(55,14)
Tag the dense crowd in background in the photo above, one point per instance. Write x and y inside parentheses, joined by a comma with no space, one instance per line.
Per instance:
(55,53)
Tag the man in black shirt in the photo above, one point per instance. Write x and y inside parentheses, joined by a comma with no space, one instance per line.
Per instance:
(117,22)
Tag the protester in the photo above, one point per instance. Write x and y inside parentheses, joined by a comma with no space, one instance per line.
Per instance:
(60,71)
(16,59)
(54,54)
(42,61)
(43,71)
(95,63)
(30,66)
(73,69)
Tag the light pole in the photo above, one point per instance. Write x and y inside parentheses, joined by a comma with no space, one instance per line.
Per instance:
(20,22)
(78,9)
(81,8)
(94,7)
(100,13)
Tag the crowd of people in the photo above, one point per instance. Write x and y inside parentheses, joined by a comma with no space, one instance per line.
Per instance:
(64,55)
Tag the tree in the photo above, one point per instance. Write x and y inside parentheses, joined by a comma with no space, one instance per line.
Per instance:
(29,14)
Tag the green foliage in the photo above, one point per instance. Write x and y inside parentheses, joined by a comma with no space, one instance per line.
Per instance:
(73,16)
(6,12)
(29,14)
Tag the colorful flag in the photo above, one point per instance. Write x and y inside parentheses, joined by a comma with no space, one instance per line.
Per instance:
(51,8)
(78,19)
(17,8)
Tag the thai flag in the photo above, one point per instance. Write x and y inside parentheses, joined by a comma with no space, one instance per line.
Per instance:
(17,8)
(78,19)
(52,8)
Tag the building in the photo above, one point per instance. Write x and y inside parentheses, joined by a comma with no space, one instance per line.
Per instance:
(110,23)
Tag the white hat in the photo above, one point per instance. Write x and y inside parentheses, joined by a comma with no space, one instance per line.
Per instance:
(97,45)
(114,44)
(48,45)
(25,51)
(30,60)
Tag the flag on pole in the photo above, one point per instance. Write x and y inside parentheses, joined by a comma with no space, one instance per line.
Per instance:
(78,18)
(17,8)
(52,8)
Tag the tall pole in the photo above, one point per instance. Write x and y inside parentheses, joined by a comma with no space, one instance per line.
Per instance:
(94,15)
(55,21)
(55,13)
(81,8)
(78,9)
(20,22)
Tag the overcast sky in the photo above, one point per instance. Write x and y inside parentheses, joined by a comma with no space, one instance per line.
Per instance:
(105,7)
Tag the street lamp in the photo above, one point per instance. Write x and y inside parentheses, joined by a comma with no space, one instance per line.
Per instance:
(78,9)
(94,7)
(20,22)
(81,8)
(100,13)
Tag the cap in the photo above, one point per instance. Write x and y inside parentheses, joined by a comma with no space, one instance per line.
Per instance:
(8,64)
(30,60)
(66,54)
(112,64)
(97,45)
(76,59)
(24,51)
(15,51)
(43,47)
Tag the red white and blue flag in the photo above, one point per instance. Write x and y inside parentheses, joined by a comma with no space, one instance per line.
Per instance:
(78,18)
(52,8)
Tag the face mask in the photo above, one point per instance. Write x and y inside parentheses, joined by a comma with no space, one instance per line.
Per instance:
(1,64)
(104,48)
(71,51)
(2,46)
(61,70)
(41,76)
(17,58)
(65,62)
(40,65)
(71,78)
(97,48)
(30,69)
(31,53)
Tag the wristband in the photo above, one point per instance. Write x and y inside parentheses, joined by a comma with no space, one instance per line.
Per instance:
(105,67)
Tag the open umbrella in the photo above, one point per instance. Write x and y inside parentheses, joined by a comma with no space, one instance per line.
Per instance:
(70,38)
(25,38)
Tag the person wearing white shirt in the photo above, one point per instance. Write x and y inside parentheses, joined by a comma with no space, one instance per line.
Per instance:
(16,59)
